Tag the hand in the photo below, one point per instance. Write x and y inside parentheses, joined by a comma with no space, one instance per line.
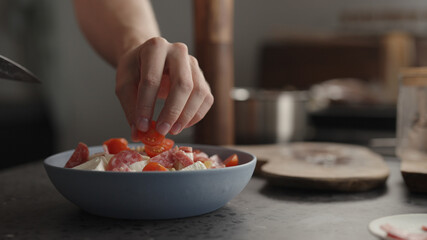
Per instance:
(159,69)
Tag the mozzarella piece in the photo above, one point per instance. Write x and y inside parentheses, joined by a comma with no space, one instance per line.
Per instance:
(195,166)
(138,166)
(101,154)
(95,155)
(108,157)
(97,164)
(190,155)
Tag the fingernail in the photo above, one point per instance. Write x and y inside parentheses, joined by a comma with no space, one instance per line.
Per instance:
(134,133)
(176,128)
(143,124)
(163,128)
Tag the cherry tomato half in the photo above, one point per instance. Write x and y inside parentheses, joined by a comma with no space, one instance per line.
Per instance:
(153,166)
(156,150)
(232,160)
(116,145)
(151,137)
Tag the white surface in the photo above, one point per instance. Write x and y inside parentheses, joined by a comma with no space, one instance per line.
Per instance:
(195,166)
(97,164)
(407,222)
(138,166)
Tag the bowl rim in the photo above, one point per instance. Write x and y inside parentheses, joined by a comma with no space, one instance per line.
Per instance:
(240,166)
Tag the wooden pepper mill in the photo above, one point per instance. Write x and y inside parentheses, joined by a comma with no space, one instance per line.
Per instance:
(214,51)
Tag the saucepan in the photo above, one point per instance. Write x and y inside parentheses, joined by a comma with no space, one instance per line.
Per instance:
(268,116)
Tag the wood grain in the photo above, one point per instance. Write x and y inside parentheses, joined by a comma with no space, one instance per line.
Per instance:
(300,62)
(214,50)
(321,166)
(399,52)
(414,170)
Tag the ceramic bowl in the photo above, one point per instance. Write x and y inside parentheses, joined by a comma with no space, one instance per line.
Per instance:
(151,195)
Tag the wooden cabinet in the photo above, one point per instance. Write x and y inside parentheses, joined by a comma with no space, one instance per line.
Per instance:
(299,62)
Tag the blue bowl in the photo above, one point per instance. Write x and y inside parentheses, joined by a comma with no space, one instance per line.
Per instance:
(151,195)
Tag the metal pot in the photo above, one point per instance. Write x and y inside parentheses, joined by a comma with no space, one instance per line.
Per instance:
(264,116)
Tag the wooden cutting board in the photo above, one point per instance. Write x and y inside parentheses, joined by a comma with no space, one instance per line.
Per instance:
(321,166)
(414,170)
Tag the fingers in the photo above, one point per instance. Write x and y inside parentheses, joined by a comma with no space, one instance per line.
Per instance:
(152,55)
(181,86)
(199,102)
(126,93)
(201,113)
(126,89)
(159,69)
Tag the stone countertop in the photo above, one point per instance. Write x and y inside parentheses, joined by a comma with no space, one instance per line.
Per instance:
(31,208)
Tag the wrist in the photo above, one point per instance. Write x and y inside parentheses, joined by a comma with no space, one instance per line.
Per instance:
(127,45)
(130,43)
(134,35)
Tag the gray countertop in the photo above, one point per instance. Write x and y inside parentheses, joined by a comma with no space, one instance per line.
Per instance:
(31,208)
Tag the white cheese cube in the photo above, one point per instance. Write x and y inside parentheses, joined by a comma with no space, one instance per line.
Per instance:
(195,166)
(95,155)
(97,164)
(101,154)
(108,157)
(138,166)
(190,155)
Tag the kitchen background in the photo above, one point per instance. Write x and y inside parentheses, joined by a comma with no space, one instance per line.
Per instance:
(76,100)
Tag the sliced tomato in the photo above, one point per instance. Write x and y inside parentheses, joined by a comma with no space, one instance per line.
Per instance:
(80,155)
(151,137)
(116,145)
(156,150)
(232,160)
(154,166)
(125,157)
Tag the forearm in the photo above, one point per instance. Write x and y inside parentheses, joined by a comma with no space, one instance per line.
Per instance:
(114,27)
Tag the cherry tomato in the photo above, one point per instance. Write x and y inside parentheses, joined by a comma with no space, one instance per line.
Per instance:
(116,145)
(151,137)
(232,160)
(156,150)
(153,166)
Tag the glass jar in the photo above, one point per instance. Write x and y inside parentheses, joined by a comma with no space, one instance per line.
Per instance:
(412,114)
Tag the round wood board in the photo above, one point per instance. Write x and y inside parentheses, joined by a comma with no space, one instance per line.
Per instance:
(321,166)
(414,170)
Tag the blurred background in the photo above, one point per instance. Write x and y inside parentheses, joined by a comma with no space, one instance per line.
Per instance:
(333,66)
